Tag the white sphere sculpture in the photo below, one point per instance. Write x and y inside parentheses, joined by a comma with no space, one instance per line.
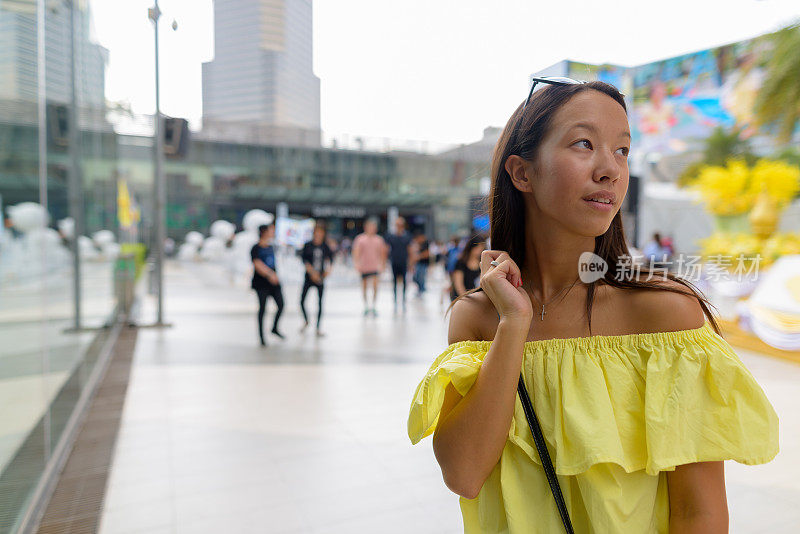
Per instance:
(194,238)
(86,247)
(222,230)
(187,252)
(245,241)
(67,227)
(213,249)
(255,218)
(103,237)
(44,237)
(27,216)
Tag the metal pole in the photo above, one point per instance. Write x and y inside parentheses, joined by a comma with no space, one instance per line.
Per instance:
(159,191)
(41,100)
(74,185)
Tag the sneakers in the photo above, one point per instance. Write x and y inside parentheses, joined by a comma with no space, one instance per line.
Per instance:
(370,311)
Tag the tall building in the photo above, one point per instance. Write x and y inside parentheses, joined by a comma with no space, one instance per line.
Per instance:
(18,55)
(261,73)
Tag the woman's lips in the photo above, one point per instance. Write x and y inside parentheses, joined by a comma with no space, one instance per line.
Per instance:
(600,205)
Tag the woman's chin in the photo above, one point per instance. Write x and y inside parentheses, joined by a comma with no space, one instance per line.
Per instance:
(592,229)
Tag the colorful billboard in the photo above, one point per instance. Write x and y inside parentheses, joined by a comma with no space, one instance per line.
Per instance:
(676,103)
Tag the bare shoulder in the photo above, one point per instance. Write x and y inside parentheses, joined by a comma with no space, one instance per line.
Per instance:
(662,310)
(471,318)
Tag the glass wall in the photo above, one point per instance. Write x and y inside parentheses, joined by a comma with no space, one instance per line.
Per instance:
(76,198)
(54,308)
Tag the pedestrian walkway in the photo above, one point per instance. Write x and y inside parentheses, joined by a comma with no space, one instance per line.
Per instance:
(309,434)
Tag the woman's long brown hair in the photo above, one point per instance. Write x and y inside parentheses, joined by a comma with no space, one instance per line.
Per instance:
(523,135)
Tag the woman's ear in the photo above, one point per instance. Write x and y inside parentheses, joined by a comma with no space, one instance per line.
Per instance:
(519,171)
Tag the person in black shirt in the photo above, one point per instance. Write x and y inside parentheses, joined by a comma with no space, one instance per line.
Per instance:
(467,272)
(399,244)
(317,258)
(265,278)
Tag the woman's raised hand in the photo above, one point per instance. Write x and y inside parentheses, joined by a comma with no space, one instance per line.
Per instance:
(503,285)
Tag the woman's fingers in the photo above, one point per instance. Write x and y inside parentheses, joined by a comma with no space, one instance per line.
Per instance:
(509,270)
(488,256)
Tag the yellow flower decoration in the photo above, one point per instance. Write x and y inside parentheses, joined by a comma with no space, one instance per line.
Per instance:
(780,180)
(726,190)
(733,189)
(722,245)
(781,244)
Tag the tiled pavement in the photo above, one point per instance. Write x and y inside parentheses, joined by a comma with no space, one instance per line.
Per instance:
(309,435)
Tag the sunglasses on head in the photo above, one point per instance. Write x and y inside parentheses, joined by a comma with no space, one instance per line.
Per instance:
(551,80)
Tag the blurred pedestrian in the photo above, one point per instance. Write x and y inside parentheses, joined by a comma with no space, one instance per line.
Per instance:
(345,247)
(655,253)
(433,257)
(451,258)
(668,244)
(317,259)
(265,278)
(369,257)
(467,272)
(421,259)
(399,250)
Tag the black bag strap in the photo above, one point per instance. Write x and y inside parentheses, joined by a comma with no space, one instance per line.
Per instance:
(544,455)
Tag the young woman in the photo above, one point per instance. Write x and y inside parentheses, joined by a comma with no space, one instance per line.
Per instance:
(467,271)
(639,399)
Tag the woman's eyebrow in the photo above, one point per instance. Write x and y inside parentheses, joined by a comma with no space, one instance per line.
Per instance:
(585,126)
(593,129)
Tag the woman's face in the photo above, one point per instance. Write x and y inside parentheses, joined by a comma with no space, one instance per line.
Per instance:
(584,154)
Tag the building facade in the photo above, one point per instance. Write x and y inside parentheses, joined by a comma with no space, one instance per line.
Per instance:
(262,67)
(18,55)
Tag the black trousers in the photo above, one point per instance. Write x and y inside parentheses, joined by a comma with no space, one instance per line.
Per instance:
(308,284)
(399,270)
(277,294)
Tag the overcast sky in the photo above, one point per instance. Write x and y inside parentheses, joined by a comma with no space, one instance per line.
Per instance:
(426,69)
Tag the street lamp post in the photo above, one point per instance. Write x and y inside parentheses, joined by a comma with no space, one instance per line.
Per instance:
(159,187)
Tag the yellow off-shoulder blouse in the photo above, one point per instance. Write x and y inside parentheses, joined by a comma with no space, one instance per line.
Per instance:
(617,412)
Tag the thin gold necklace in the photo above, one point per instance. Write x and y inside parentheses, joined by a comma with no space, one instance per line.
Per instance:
(553,298)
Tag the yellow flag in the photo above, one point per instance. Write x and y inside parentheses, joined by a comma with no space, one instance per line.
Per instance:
(124,212)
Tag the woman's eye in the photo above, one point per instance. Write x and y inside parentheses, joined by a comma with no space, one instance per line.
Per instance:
(624,151)
(583,143)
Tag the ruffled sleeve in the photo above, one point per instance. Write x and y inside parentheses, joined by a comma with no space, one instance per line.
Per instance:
(458,365)
(703,404)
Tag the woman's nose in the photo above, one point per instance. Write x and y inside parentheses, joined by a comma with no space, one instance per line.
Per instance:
(607,168)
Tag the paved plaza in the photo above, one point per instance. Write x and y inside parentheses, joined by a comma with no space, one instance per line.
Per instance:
(309,434)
